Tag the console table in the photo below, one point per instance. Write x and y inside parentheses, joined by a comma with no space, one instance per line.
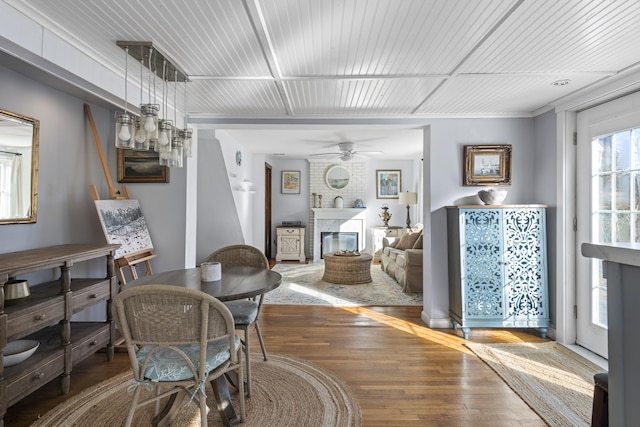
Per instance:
(46,314)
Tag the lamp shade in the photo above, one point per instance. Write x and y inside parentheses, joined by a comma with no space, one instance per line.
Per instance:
(408,198)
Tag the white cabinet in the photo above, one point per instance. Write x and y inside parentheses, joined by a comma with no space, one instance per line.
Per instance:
(498,267)
(290,243)
(380,233)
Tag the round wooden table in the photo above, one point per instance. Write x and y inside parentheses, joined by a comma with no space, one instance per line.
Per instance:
(347,269)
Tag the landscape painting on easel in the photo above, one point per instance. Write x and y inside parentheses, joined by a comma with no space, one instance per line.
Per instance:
(123,223)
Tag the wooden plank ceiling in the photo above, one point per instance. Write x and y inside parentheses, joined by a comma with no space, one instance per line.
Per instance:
(363,58)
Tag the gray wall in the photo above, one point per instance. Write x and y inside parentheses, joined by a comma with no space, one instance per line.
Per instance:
(448,136)
(546,192)
(69,164)
(216,226)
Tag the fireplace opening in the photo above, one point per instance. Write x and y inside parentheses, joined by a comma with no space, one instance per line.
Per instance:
(334,241)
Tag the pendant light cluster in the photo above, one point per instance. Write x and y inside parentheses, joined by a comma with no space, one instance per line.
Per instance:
(153,130)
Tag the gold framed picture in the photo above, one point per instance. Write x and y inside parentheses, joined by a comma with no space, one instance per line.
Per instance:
(141,166)
(487,165)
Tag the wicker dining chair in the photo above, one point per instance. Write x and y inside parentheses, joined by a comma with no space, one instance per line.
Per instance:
(178,338)
(245,312)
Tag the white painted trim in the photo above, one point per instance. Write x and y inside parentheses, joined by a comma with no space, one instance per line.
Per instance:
(435,323)
(565,323)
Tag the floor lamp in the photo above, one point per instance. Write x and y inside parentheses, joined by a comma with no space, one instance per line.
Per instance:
(408,198)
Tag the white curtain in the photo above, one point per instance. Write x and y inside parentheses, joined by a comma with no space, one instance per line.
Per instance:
(13,203)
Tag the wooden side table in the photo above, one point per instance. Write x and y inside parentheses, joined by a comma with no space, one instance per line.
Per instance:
(347,270)
(290,244)
(380,233)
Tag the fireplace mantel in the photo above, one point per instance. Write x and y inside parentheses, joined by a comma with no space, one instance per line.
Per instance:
(336,213)
(335,219)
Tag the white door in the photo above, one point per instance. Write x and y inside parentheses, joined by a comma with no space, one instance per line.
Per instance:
(608,206)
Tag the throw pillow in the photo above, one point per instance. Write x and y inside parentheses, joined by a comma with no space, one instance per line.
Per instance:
(408,239)
(418,243)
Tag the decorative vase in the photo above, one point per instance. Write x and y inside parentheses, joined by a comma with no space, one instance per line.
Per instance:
(491,196)
(385,216)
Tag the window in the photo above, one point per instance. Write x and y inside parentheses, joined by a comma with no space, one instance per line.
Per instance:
(615,201)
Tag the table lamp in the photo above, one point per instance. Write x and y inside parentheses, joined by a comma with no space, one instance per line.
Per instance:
(408,198)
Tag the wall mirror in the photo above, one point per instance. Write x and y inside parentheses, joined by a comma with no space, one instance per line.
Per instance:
(19,138)
(337,177)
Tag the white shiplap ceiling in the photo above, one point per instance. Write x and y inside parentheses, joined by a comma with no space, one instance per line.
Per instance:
(355,59)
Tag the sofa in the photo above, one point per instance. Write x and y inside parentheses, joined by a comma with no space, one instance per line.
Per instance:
(402,259)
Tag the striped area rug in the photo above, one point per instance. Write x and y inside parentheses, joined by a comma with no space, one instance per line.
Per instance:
(554,381)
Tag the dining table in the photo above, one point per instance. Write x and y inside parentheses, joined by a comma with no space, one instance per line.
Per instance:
(235,283)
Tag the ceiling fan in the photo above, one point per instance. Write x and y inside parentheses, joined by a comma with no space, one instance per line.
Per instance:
(347,152)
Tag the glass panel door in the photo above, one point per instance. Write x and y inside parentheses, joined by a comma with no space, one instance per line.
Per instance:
(614,217)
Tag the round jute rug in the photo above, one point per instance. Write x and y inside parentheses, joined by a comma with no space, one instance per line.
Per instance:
(286,392)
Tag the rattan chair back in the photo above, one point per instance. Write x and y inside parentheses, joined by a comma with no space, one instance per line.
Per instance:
(154,318)
(239,256)
(244,256)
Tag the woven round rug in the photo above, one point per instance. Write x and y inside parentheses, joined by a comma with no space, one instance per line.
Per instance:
(286,392)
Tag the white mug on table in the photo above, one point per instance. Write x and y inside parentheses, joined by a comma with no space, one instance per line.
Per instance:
(210,271)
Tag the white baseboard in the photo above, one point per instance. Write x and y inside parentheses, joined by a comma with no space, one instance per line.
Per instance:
(444,323)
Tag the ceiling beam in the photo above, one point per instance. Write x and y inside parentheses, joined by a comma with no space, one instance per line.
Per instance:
(256,17)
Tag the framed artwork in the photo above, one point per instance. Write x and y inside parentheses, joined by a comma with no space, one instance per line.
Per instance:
(388,184)
(487,165)
(290,182)
(141,166)
(123,223)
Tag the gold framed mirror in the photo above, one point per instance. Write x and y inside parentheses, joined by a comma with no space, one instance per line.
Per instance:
(19,143)
(337,177)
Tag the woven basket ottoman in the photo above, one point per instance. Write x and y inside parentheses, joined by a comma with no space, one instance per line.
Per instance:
(347,269)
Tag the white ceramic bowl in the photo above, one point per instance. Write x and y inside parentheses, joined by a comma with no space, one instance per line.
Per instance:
(18,351)
(491,196)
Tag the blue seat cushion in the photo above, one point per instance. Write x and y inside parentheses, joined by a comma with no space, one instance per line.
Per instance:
(244,311)
(167,365)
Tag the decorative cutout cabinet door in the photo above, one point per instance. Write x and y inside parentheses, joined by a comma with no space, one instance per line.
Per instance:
(498,267)
(290,243)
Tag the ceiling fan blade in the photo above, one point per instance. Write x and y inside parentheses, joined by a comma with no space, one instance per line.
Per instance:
(324,154)
(368,152)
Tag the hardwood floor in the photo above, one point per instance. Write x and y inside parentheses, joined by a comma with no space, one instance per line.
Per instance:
(401,372)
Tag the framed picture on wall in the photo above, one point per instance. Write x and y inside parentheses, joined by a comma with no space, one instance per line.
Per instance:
(487,165)
(388,184)
(141,166)
(290,182)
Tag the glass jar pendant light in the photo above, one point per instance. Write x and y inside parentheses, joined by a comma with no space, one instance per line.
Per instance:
(147,131)
(124,121)
(185,134)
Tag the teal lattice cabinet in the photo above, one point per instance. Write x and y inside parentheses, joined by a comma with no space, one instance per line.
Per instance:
(498,267)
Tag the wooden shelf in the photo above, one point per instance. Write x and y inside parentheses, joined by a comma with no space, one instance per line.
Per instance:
(46,314)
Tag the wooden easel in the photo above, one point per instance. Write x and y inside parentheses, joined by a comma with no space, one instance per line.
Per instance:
(130,260)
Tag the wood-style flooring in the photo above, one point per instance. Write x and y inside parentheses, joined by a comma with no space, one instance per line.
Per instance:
(401,372)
